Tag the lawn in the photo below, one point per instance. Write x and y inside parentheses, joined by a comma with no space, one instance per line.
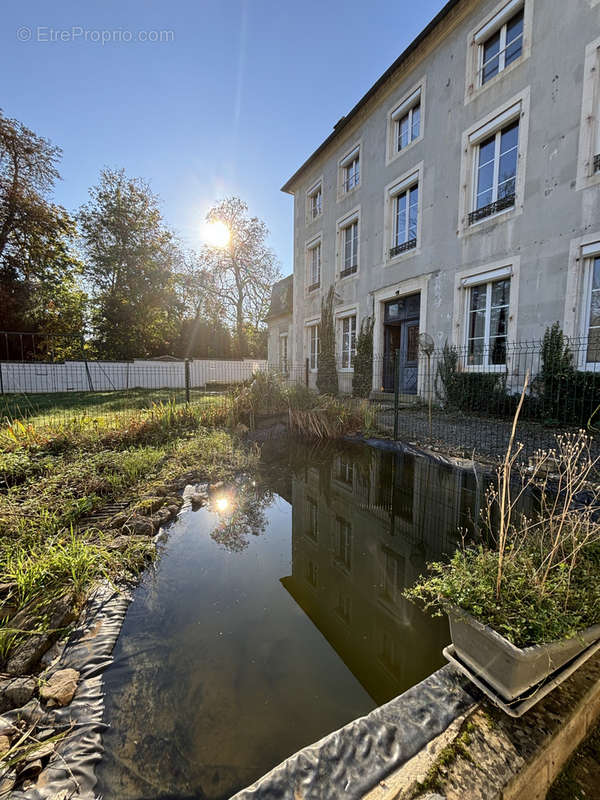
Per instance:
(46,407)
(58,469)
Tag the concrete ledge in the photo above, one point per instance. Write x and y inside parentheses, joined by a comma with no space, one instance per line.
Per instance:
(489,756)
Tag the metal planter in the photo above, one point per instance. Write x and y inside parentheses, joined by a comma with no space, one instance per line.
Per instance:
(511,670)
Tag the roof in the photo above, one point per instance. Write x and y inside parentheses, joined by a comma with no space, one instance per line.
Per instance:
(281,297)
(345,121)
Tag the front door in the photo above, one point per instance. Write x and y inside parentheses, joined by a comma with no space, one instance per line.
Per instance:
(401,333)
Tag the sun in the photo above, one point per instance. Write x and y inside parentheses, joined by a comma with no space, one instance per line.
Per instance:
(222,504)
(216,233)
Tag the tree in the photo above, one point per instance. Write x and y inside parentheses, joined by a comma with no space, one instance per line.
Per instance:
(327,378)
(130,261)
(242,272)
(38,269)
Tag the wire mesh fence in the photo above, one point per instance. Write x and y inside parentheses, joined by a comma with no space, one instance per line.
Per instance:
(462,398)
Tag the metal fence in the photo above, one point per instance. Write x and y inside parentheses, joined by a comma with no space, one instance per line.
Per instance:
(462,399)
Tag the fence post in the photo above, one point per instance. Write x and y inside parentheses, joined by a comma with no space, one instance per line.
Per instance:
(396,392)
(306,370)
(187,380)
(1,380)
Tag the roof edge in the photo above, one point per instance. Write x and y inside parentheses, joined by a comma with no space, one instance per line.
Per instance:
(345,120)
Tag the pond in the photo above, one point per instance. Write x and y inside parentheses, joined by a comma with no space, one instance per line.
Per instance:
(275,615)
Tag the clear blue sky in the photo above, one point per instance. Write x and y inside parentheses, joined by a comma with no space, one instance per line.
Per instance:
(243,93)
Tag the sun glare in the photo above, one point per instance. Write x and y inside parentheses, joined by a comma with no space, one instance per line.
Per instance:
(217,234)
(222,504)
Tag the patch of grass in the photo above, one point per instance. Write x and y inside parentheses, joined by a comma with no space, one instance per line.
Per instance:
(54,475)
(448,755)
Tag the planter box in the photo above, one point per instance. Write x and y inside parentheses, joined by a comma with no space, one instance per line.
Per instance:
(508,669)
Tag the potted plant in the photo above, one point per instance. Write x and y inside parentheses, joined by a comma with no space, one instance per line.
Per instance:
(526,601)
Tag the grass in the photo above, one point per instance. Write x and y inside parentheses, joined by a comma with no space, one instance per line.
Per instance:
(54,473)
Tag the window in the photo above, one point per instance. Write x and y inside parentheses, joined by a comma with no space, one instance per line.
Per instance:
(496,165)
(343,607)
(312,573)
(349,174)
(312,519)
(343,543)
(283,353)
(344,471)
(406,212)
(502,47)
(593,315)
(407,121)
(314,266)
(315,201)
(313,346)
(393,576)
(487,323)
(348,330)
(350,249)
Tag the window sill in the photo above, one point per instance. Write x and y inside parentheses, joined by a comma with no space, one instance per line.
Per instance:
(488,222)
(400,249)
(491,210)
(310,220)
(396,154)
(342,195)
(348,273)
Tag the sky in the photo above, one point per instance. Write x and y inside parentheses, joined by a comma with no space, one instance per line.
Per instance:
(231,102)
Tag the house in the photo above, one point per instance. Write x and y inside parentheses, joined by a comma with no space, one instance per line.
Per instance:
(279,322)
(460,197)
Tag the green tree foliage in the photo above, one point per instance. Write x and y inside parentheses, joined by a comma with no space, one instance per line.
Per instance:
(131,258)
(239,276)
(327,377)
(38,270)
(362,380)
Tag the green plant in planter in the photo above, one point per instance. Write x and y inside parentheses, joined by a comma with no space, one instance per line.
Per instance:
(327,377)
(535,580)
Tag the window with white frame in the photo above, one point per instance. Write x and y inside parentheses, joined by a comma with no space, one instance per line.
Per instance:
(392,580)
(495,166)
(406,213)
(406,119)
(588,162)
(314,345)
(283,353)
(487,320)
(591,328)
(500,42)
(349,247)
(343,543)
(350,170)
(315,201)
(348,340)
(314,265)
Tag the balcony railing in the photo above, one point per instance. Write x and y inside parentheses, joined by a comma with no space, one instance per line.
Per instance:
(597,163)
(348,271)
(492,208)
(410,244)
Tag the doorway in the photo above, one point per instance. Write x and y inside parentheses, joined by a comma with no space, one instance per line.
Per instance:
(401,332)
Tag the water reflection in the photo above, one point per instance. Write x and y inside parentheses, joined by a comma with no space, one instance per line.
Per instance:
(364,524)
(275,615)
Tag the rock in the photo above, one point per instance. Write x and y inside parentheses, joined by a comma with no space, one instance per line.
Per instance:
(4,745)
(60,687)
(140,526)
(197,499)
(7,782)
(164,515)
(173,510)
(7,728)
(151,504)
(15,692)
(27,654)
(29,770)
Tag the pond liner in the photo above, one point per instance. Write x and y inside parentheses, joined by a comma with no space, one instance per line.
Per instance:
(71,770)
(352,761)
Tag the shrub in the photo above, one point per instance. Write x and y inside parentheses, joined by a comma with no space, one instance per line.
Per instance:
(478,392)
(327,378)
(362,380)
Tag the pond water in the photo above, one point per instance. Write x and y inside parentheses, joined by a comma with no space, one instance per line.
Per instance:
(274,615)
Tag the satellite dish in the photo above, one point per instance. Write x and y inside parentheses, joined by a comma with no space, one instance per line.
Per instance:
(426,344)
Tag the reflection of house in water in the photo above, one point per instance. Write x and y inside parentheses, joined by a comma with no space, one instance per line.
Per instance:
(365,522)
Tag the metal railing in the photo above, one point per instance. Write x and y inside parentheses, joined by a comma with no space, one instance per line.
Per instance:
(410,244)
(492,208)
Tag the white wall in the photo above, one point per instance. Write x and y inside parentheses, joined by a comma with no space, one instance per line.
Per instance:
(72,376)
